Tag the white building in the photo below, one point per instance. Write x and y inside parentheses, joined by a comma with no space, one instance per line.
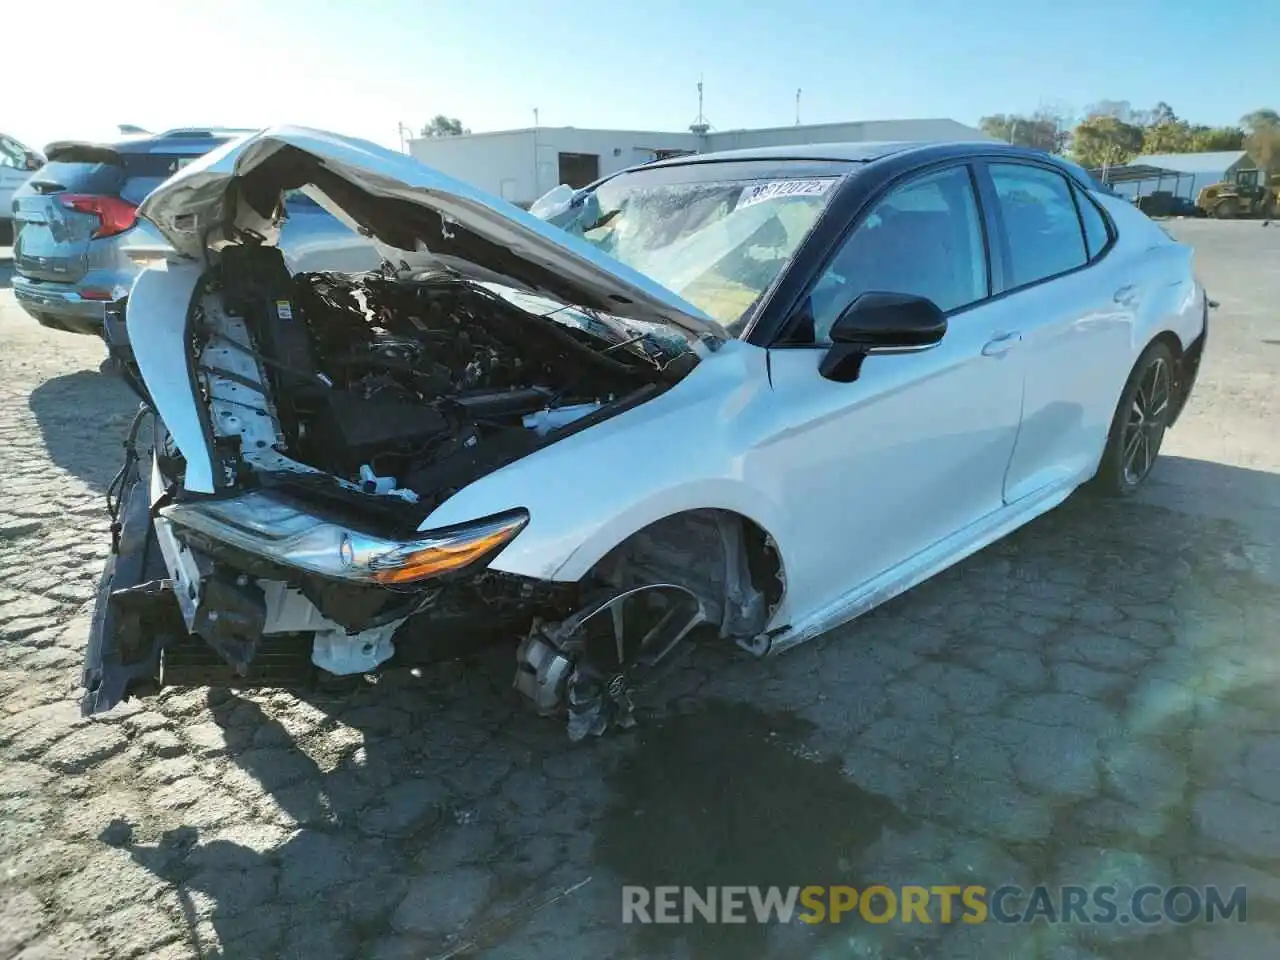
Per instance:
(522,165)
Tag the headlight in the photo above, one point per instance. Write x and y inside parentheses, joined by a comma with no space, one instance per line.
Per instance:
(444,551)
(286,533)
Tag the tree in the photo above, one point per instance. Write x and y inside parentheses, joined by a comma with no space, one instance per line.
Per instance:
(1114,132)
(1262,137)
(1205,139)
(1115,109)
(1162,113)
(1168,136)
(442,126)
(1104,141)
(1042,130)
(1265,117)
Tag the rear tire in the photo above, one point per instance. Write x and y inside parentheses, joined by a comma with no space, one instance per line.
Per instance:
(1139,424)
(1227,209)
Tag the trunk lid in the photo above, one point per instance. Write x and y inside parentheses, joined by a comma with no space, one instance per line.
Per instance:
(405,206)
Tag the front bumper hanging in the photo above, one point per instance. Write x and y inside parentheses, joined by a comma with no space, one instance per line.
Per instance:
(136,613)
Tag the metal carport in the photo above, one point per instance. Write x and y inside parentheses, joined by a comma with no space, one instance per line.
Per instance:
(1138,173)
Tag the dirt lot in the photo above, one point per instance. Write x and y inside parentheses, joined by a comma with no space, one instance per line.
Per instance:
(1091,701)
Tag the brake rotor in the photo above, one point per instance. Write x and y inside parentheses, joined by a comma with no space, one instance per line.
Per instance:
(612,645)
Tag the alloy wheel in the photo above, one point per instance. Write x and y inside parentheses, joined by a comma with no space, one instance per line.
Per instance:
(1148,417)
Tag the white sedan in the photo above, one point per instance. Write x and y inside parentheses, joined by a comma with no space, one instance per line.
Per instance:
(748,395)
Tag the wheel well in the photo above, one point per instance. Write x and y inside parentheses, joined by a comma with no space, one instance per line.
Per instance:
(727,559)
(1170,340)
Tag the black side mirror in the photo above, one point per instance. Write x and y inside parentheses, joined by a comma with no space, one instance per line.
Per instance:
(880,323)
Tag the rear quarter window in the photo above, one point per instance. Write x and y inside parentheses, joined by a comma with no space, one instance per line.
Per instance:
(1096,235)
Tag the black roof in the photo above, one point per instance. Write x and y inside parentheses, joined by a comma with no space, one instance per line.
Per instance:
(837,152)
(850,156)
(858,152)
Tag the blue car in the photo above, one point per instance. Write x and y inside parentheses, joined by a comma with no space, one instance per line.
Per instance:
(76,223)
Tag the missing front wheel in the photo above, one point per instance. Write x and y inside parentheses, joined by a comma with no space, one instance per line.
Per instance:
(591,665)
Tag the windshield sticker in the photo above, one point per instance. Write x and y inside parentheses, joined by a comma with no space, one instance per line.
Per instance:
(782,188)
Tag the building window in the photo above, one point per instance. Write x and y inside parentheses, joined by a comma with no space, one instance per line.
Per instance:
(579,169)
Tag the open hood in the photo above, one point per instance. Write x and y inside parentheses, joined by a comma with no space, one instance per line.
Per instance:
(405,206)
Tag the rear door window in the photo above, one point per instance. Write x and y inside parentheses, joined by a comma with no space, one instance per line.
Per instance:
(1040,221)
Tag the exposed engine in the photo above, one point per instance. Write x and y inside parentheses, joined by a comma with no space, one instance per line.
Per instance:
(335,411)
(410,384)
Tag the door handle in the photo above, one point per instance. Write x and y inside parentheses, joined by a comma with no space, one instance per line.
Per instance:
(999,346)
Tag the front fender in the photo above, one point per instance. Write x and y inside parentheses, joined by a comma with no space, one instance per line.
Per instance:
(715,493)
(156,322)
(685,449)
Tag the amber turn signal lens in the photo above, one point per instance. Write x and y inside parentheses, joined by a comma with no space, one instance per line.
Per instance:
(446,555)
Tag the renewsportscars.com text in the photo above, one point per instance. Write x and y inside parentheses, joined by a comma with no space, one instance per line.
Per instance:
(943,903)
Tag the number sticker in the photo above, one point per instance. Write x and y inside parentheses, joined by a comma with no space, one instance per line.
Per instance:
(782,188)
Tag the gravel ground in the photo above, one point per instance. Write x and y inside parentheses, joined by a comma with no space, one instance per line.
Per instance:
(1089,701)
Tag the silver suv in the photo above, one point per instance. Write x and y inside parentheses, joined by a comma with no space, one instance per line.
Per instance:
(76,217)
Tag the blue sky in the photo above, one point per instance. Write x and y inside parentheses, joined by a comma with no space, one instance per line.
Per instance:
(362,66)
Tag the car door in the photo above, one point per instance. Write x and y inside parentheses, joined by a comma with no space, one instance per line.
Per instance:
(915,449)
(1074,313)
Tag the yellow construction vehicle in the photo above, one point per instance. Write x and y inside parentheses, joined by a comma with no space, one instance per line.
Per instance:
(1245,195)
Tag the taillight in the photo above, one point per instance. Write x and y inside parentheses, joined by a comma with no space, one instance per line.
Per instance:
(116,215)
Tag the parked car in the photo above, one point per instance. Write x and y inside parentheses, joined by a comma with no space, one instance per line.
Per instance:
(76,224)
(747,395)
(17,161)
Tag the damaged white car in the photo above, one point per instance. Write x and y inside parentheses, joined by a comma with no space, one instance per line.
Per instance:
(745,396)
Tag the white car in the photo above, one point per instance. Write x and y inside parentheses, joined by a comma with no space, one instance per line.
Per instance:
(757,393)
(17,162)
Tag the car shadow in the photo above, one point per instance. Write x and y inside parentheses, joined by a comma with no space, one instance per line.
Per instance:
(456,821)
(82,418)
(1202,488)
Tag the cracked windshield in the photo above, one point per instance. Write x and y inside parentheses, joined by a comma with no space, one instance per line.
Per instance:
(660,481)
(719,244)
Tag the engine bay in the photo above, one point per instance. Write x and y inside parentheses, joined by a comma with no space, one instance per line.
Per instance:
(402,383)
(306,427)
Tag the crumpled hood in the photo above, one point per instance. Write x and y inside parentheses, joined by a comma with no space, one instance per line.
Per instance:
(407,206)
